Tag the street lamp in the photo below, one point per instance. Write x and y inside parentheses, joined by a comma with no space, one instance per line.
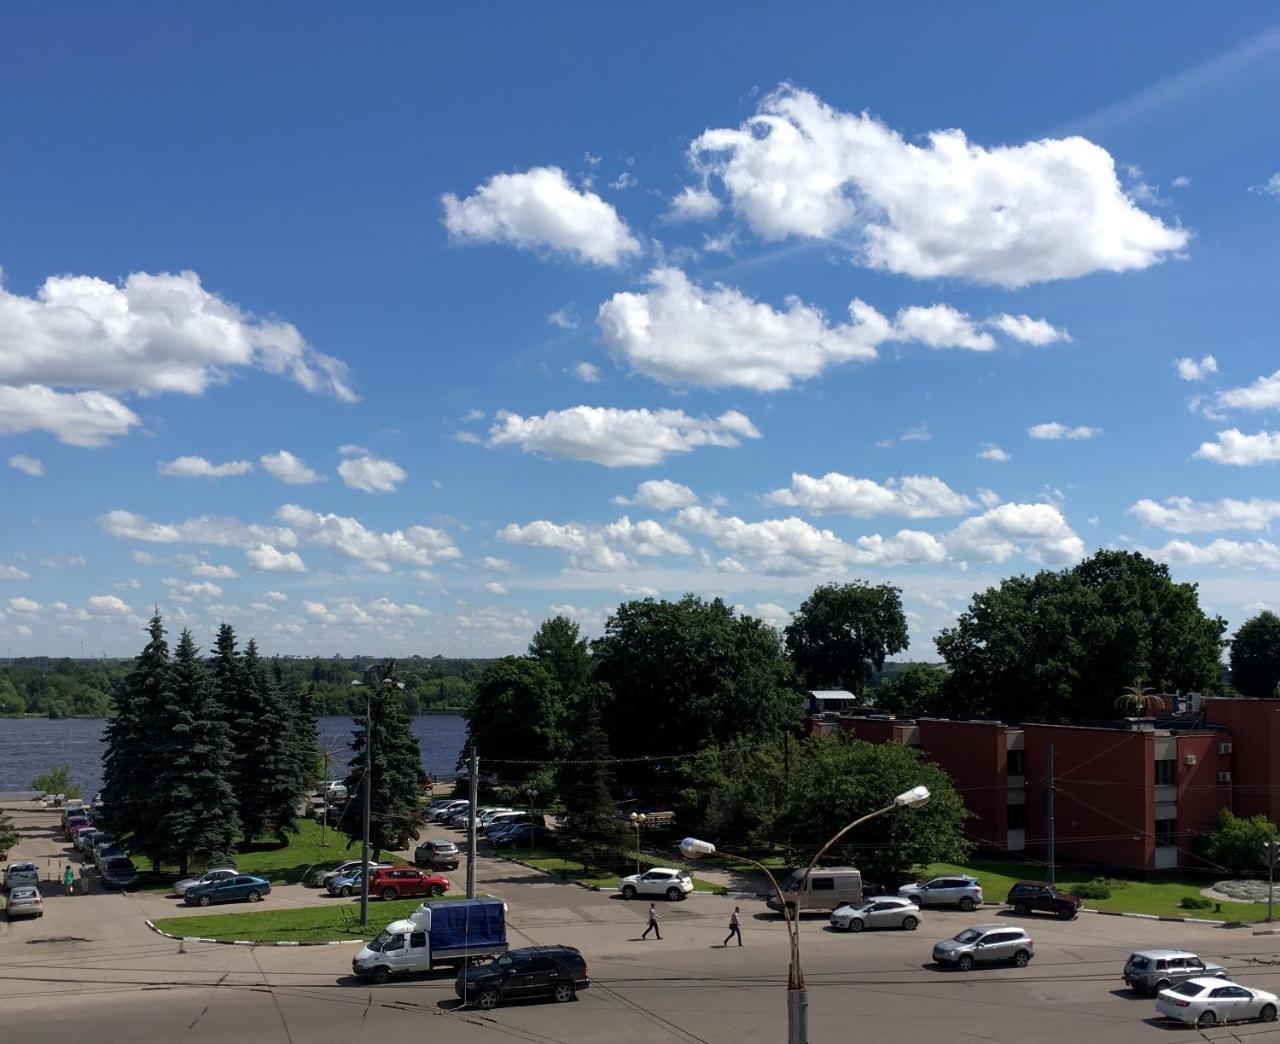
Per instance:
(637,821)
(797,998)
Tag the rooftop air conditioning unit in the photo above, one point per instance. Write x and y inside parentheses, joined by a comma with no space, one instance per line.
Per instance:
(1224,748)
(1224,777)
(1190,759)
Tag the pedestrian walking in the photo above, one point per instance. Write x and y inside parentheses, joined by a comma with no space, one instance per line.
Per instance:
(653,923)
(69,880)
(84,881)
(735,928)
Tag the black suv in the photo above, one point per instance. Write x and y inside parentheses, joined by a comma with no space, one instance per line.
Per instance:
(1026,896)
(535,971)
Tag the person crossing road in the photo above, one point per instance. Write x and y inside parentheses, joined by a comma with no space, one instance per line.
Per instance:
(653,923)
(735,927)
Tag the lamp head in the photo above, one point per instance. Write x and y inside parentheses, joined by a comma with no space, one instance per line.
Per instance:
(692,848)
(916,796)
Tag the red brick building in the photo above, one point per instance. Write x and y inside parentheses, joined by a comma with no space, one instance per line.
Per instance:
(1131,794)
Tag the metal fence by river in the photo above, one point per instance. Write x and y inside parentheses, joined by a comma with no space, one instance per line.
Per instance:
(29,746)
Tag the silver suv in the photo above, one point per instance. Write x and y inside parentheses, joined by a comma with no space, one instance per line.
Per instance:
(1150,971)
(986,944)
(956,890)
(21,874)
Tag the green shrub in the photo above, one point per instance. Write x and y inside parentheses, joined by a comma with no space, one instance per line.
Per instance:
(1195,902)
(1098,888)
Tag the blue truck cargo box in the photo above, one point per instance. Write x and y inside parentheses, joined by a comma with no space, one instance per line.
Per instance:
(467,924)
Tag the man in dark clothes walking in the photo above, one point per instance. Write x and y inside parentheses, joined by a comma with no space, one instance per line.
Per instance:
(735,928)
(653,923)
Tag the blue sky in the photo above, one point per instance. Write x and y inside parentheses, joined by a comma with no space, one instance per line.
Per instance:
(396,330)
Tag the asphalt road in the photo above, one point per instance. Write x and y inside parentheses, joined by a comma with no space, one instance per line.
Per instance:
(91,970)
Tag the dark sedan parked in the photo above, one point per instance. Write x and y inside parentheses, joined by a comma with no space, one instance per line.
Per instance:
(241,887)
(525,835)
(118,872)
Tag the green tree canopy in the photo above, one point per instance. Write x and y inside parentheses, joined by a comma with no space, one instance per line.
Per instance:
(1067,643)
(1255,656)
(559,646)
(690,673)
(518,713)
(916,690)
(1235,842)
(842,633)
(56,781)
(269,788)
(592,829)
(8,834)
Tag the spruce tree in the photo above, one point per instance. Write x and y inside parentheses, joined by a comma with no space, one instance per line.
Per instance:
(592,828)
(269,790)
(136,750)
(201,819)
(398,778)
(230,695)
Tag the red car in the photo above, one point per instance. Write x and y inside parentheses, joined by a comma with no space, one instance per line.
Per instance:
(401,882)
(75,823)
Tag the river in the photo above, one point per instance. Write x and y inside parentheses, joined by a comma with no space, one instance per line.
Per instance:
(29,746)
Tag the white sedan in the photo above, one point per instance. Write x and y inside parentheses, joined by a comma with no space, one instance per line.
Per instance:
(880,911)
(661,880)
(1209,1002)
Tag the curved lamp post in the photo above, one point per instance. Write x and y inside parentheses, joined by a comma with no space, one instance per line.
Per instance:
(797,999)
(637,821)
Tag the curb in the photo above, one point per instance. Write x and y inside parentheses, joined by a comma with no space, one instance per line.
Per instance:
(247,942)
(1173,920)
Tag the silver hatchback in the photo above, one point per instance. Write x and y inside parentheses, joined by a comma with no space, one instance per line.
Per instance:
(1150,971)
(880,911)
(986,944)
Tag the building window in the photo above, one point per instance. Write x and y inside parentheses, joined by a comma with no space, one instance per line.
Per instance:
(1166,773)
(1017,763)
(1016,817)
(1165,830)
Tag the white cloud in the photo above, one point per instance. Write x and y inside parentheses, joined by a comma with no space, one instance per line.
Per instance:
(24,605)
(386,607)
(616,437)
(692,203)
(1235,447)
(127,585)
(417,545)
(28,465)
(1037,332)
(989,497)
(624,181)
(198,467)
(1052,430)
(497,565)
(371,474)
(771,613)
(600,547)
(661,495)
(108,604)
(990,451)
(1184,515)
(1270,187)
(1181,181)
(288,468)
(1262,394)
(538,208)
(564,318)
(1220,553)
(586,372)
(912,496)
(268,559)
(495,588)
(275,596)
(1038,531)
(24,631)
(941,326)
(8,572)
(149,334)
(791,546)
(221,572)
(920,433)
(207,529)
(1196,370)
(1008,215)
(190,589)
(87,418)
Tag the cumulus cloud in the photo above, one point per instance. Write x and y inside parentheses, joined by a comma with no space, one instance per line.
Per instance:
(1220,554)
(198,467)
(586,372)
(990,451)
(386,607)
(417,545)
(600,547)
(495,588)
(1262,394)
(8,572)
(694,203)
(1052,430)
(497,565)
(1037,531)
(371,474)
(1195,369)
(912,496)
(941,326)
(190,589)
(1007,215)
(617,437)
(1184,515)
(108,604)
(1035,332)
(288,468)
(27,465)
(221,572)
(87,418)
(268,559)
(275,596)
(1235,447)
(564,318)
(660,494)
(206,529)
(540,209)
(24,605)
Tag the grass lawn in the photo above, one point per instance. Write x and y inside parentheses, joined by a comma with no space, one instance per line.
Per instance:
(1159,897)
(309,924)
(556,863)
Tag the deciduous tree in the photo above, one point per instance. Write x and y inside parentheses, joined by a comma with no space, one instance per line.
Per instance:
(518,714)
(1255,656)
(842,633)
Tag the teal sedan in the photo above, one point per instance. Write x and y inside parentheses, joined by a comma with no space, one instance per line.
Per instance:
(242,887)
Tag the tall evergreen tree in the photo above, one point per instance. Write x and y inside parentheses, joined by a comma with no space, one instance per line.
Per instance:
(201,818)
(135,756)
(269,789)
(592,828)
(398,778)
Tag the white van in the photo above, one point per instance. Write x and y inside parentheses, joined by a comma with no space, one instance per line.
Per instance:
(826,888)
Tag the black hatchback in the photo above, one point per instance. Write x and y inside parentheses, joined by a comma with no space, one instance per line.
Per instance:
(558,972)
(1026,896)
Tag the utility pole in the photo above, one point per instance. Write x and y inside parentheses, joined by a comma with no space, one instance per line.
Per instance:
(471,820)
(1049,816)
(368,786)
(1271,849)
